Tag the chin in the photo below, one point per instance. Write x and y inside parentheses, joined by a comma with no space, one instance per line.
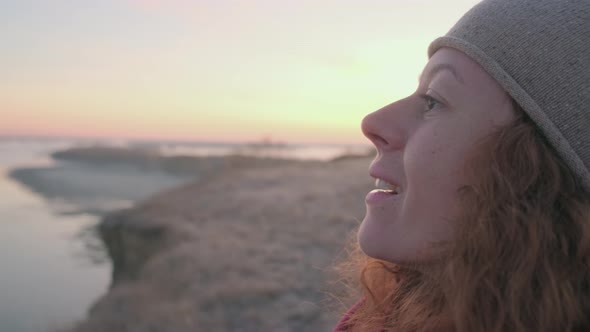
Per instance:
(372,243)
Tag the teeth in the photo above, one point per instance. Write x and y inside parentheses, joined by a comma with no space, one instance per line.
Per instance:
(382,184)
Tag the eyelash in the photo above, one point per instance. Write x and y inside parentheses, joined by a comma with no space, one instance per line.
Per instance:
(428,99)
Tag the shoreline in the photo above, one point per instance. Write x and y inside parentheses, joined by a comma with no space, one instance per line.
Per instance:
(99,180)
(245,250)
(247,245)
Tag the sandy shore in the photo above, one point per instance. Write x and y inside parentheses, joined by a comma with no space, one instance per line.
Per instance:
(246,249)
(216,243)
(98,180)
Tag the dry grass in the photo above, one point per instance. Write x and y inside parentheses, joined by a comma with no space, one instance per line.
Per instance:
(247,250)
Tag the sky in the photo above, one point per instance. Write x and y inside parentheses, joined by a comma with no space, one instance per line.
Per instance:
(218,70)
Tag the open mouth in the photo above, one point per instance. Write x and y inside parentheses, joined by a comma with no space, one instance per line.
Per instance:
(386,187)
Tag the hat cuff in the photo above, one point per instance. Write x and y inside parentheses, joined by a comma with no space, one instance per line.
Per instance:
(547,127)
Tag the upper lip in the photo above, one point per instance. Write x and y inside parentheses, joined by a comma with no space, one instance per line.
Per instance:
(377,174)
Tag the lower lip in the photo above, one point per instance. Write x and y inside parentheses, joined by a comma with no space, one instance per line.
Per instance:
(377,196)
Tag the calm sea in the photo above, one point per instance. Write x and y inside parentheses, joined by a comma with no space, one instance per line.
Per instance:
(49,278)
(53,265)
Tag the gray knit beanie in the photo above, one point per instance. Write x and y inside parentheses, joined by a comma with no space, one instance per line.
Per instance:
(539,52)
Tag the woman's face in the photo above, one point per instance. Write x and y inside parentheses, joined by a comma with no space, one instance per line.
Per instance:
(422,142)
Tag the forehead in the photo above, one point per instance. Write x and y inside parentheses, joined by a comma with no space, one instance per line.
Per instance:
(470,75)
(429,73)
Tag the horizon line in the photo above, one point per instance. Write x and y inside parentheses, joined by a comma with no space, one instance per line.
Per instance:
(187,141)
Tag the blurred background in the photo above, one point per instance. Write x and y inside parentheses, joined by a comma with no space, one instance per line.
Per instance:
(112,113)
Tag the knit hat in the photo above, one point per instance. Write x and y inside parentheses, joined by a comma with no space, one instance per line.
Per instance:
(539,52)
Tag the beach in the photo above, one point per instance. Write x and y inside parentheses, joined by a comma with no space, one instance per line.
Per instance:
(247,246)
(246,250)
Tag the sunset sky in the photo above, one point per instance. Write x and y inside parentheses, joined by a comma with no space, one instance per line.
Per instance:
(218,70)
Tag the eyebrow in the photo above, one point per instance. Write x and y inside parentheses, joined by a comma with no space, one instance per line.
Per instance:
(440,67)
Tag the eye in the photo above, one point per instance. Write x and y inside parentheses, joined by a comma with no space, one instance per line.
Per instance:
(431,102)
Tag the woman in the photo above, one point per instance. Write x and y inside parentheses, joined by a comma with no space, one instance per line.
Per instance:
(481,219)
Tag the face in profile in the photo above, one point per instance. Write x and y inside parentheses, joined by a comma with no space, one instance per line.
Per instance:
(422,143)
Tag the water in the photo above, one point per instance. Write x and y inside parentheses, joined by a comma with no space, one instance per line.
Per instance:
(48,277)
(52,271)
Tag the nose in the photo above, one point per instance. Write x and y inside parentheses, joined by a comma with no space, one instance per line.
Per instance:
(386,128)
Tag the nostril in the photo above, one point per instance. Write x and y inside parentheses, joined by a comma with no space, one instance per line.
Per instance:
(369,128)
(384,128)
(387,127)
(376,139)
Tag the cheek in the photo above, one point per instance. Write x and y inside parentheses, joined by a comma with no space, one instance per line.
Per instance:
(429,157)
(436,154)
(434,171)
